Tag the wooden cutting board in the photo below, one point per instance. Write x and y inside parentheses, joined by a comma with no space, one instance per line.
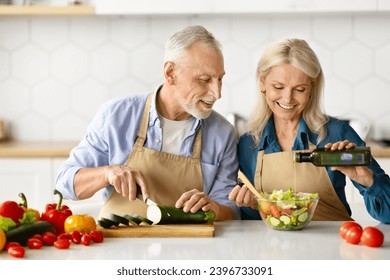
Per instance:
(187,230)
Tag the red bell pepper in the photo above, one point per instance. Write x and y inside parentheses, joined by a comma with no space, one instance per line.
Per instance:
(56,214)
(11,209)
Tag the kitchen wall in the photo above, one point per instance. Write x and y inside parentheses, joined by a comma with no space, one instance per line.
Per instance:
(55,72)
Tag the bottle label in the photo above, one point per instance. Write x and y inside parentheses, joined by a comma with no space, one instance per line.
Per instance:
(343,158)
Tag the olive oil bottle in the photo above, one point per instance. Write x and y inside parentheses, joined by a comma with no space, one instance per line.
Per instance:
(357,156)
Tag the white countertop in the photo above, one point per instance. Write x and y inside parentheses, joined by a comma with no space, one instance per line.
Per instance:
(233,240)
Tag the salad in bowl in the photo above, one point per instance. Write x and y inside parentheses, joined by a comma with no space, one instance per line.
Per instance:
(287,210)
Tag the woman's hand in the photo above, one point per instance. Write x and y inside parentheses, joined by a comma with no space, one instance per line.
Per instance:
(340,145)
(360,174)
(242,196)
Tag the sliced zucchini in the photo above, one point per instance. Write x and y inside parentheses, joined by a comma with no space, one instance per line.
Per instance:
(133,220)
(143,220)
(303,217)
(107,223)
(285,219)
(274,221)
(298,212)
(119,219)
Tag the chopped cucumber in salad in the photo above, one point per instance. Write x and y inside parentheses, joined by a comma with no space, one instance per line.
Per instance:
(287,210)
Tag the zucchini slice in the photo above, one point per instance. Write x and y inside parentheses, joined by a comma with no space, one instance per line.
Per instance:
(159,214)
(107,223)
(118,219)
(143,220)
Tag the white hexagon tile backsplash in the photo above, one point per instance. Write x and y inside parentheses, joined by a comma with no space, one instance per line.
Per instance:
(55,72)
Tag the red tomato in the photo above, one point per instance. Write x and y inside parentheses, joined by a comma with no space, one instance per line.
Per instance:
(372,237)
(64,236)
(37,236)
(76,237)
(274,211)
(86,239)
(62,243)
(287,211)
(96,236)
(34,243)
(49,238)
(353,234)
(16,251)
(344,228)
(11,244)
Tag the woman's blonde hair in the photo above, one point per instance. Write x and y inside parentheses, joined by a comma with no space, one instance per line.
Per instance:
(295,52)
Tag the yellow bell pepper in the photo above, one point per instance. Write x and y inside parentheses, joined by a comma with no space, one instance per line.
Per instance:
(3,239)
(82,223)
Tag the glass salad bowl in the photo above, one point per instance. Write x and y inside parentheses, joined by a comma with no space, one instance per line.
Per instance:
(287,210)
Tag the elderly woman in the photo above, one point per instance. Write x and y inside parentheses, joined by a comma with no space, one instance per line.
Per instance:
(289,118)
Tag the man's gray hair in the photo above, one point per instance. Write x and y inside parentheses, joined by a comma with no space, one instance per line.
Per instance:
(182,40)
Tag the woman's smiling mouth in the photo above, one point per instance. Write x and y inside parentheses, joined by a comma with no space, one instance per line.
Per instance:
(286,107)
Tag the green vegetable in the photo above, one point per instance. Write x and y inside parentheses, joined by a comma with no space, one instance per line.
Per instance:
(172,215)
(107,223)
(303,217)
(294,208)
(23,232)
(118,219)
(143,220)
(6,223)
(285,219)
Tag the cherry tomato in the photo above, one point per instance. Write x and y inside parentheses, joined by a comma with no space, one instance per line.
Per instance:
(48,238)
(274,211)
(16,251)
(96,236)
(37,236)
(64,236)
(76,237)
(345,226)
(86,239)
(287,211)
(11,244)
(353,234)
(34,243)
(372,237)
(62,243)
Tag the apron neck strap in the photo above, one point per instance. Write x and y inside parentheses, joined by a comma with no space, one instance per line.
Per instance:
(144,128)
(145,120)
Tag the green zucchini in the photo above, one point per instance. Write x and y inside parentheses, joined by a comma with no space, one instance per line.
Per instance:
(135,221)
(159,214)
(144,220)
(23,232)
(118,219)
(107,223)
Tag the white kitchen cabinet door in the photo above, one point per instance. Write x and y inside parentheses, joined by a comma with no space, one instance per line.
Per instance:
(30,176)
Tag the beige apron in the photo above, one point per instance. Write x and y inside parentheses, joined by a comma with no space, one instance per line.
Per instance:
(168,176)
(279,171)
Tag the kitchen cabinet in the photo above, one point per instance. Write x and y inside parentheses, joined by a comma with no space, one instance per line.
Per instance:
(35,177)
(31,168)
(11,10)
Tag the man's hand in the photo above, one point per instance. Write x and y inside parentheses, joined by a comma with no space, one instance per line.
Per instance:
(126,181)
(195,200)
